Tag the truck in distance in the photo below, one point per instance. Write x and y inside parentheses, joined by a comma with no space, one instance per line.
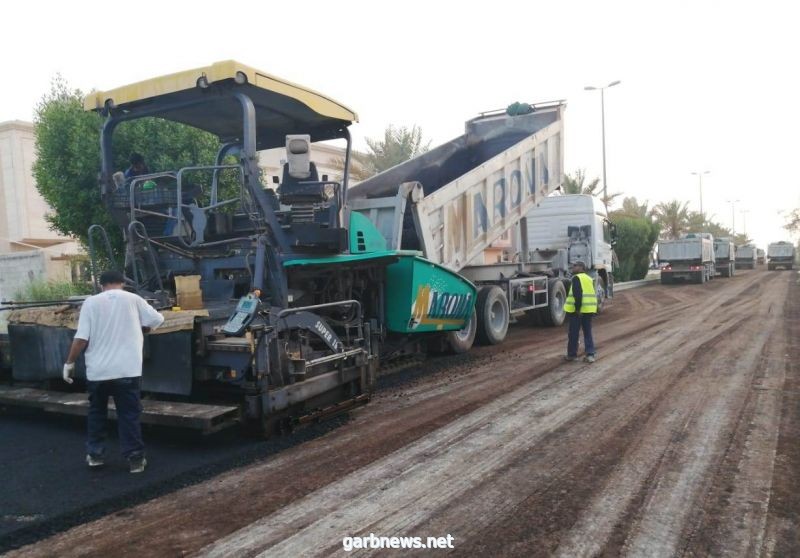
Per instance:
(746,256)
(761,256)
(780,254)
(690,258)
(725,256)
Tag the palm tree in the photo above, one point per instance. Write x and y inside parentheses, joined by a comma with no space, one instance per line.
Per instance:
(399,144)
(673,217)
(632,208)
(577,185)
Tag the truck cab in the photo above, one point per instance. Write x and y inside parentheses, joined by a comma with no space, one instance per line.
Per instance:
(569,228)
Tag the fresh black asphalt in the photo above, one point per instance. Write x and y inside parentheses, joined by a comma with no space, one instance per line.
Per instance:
(47,486)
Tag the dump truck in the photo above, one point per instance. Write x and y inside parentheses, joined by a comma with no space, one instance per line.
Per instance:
(689,258)
(564,229)
(724,256)
(746,256)
(452,202)
(294,300)
(761,256)
(780,255)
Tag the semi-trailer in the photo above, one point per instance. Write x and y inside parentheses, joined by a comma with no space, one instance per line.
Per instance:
(689,258)
(746,256)
(724,256)
(780,255)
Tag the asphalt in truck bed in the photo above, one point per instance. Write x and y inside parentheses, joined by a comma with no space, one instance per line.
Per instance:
(680,439)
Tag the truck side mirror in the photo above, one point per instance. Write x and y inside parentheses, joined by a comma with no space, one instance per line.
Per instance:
(614,236)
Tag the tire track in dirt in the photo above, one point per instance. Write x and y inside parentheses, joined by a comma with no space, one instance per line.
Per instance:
(390,509)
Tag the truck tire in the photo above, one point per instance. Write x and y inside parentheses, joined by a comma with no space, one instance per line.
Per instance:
(666,279)
(461,341)
(554,314)
(600,292)
(701,277)
(493,315)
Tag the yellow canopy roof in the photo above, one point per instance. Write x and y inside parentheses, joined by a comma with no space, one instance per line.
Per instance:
(281,106)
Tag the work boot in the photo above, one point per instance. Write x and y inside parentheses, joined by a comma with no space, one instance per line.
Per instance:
(137,464)
(569,358)
(588,358)
(96,460)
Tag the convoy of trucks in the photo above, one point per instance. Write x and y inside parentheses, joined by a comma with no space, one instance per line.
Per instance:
(780,255)
(690,258)
(724,256)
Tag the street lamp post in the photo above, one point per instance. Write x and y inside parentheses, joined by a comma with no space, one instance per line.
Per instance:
(744,213)
(733,216)
(700,184)
(603,124)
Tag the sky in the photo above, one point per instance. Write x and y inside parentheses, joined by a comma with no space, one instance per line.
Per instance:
(705,85)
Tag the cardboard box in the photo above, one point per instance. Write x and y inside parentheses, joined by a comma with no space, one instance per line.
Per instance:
(188,293)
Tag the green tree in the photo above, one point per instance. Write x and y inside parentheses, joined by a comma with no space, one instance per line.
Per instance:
(793,221)
(635,239)
(632,208)
(672,218)
(399,144)
(68,157)
(577,185)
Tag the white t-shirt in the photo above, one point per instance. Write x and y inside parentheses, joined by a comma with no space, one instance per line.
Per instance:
(112,323)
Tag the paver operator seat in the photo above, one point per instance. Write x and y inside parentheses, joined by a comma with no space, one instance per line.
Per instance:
(314,204)
(300,181)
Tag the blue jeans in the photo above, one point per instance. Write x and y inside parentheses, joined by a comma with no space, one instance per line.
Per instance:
(125,392)
(576,323)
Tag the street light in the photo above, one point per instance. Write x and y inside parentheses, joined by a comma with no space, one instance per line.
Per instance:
(733,215)
(603,121)
(744,213)
(700,183)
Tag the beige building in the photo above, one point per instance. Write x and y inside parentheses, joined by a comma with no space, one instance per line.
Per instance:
(29,250)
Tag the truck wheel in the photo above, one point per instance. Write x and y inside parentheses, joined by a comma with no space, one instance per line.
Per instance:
(493,315)
(665,279)
(461,341)
(554,314)
(701,277)
(600,293)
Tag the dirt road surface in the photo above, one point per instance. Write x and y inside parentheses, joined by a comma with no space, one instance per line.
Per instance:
(682,439)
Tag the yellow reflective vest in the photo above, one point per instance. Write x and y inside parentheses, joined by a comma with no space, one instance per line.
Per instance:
(588,300)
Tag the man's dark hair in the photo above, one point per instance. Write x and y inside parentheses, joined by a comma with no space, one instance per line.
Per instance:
(136,159)
(111,277)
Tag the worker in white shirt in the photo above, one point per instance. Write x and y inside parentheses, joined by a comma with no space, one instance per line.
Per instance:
(111,325)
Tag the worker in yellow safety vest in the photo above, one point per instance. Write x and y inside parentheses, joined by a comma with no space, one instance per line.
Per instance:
(580,306)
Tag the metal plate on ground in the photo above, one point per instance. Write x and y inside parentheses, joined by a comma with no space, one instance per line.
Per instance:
(195,416)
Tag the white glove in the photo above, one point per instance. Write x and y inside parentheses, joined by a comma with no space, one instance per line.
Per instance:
(68,370)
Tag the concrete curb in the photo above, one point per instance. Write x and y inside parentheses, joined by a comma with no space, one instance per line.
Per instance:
(650,280)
